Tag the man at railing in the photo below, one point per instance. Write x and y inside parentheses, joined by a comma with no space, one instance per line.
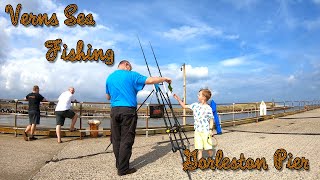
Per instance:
(122,87)
(63,110)
(34,99)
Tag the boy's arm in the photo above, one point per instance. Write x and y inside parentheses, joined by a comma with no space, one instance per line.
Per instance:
(182,104)
(211,126)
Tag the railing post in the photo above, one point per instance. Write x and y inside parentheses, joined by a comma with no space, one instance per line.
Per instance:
(273,106)
(257,112)
(233,114)
(15,117)
(80,114)
(147,120)
(312,105)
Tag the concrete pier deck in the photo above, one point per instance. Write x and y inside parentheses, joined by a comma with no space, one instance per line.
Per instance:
(44,158)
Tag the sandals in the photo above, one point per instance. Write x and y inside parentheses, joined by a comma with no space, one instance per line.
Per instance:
(74,129)
(25,136)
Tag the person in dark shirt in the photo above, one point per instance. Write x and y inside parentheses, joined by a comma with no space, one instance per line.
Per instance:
(34,100)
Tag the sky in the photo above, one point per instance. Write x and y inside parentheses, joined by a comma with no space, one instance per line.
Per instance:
(243,51)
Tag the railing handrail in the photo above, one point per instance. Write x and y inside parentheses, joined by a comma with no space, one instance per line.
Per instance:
(287,105)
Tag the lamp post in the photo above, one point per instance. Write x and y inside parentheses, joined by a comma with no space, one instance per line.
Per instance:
(183,69)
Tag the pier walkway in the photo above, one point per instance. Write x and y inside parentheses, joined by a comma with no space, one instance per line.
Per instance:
(44,158)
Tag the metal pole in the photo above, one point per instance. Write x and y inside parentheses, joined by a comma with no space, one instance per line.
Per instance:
(15,116)
(257,112)
(80,119)
(233,114)
(147,120)
(273,106)
(184,93)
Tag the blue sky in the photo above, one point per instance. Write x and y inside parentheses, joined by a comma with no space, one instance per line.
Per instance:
(244,51)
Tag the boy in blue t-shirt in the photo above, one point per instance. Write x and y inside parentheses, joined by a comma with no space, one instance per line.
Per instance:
(203,121)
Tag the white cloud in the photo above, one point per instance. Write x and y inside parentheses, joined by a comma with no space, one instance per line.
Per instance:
(184,33)
(291,78)
(232,62)
(34,6)
(316,2)
(188,32)
(23,63)
(196,72)
(19,75)
(4,40)
(175,71)
(17,54)
(286,14)
(232,37)
(244,4)
(143,94)
(313,24)
(201,47)
(21,30)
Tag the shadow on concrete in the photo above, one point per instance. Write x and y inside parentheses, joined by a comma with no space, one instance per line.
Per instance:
(157,153)
(184,140)
(79,157)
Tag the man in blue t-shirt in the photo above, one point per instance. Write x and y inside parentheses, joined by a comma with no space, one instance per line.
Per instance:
(122,87)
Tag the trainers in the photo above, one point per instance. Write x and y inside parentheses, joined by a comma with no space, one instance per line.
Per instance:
(129,171)
(32,138)
(25,136)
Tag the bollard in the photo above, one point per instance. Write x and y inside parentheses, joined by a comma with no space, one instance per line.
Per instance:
(94,125)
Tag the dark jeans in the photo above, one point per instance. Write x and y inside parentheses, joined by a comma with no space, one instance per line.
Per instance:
(123,131)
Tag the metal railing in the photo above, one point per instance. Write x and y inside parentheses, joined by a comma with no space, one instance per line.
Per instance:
(229,113)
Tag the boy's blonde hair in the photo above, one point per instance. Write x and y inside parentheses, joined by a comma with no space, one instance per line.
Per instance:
(206,93)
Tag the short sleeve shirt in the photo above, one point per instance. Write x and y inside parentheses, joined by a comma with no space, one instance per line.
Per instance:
(34,101)
(123,87)
(202,115)
(64,101)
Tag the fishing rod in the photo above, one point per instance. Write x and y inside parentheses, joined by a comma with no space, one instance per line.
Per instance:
(156,89)
(155,59)
(171,129)
(169,102)
(145,59)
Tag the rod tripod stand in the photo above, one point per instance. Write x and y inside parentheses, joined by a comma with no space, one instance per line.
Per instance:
(178,139)
(173,127)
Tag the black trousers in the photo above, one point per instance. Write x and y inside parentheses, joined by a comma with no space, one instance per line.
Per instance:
(123,131)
